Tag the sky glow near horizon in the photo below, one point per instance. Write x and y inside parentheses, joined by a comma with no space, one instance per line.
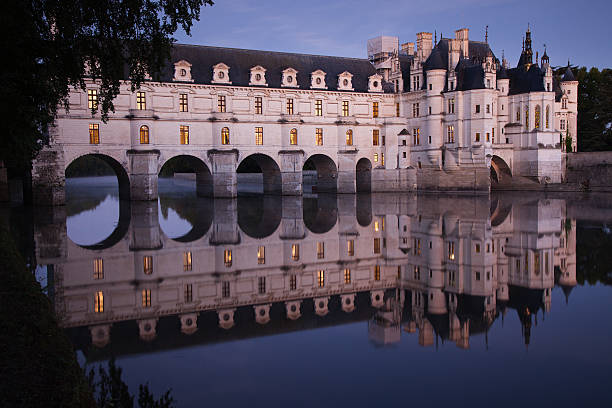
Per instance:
(578,31)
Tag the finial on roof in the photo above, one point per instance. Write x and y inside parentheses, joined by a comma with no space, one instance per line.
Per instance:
(487,34)
(528,28)
(435,37)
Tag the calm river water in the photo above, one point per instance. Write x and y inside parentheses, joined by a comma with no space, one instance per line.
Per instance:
(335,300)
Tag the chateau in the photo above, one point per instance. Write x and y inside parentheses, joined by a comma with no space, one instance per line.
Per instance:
(446,115)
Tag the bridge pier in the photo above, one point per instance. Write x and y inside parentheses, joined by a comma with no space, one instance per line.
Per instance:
(292,221)
(49,178)
(347,172)
(291,171)
(224,176)
(143,176)
(144,226)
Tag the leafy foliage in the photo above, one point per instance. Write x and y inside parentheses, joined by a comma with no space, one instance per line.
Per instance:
(52,45)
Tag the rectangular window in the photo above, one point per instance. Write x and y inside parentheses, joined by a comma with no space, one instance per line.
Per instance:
(147,265)
(347,276)
(320,250)
(293,137)
(415,110)
(450,134)
(144,134)
(375,135)
(451,105)
(225,289)
(292,282)
(183,103)
(492,135)
(289,106)
(477,248)
(227,258)
(98,302)
(141,101)
(477,108)
(98,268)
(261,255)
(488,108)
(488,136)
(261,285)
(318,107)
(417,246)
(146,297)
(350,247)
(92,99)
(349,137)
(225,136)
(221,107)
(416,136)
(526,263)
(451,251)
(94,133)
(417,272)
(382,159)
(295,252)
(319,136)
(477,276)
(397,110)
(187,261)
(258,105)
(259,136)
(383,140)
(477,137)
(376,157)
(518,115)
(377,272)
(184,134)
(321,278)
(345,108)
(374,109)
(188,293)
(377,245)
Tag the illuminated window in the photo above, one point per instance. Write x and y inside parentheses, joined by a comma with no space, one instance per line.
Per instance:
(289,106)
(375,137)
(547,117)
(92,99)
(227,258)
(518,115)
(320,250)
(527,116)
(187,261)
(188,293)
(318,107)
(225,289)
(98,302)
(184,134)
(94,133)
(376,157)
(295,252)
(221,107)
(146,297)
(261,255)
(347,276)
(376,226)
(382,159)
(417,246)
(537,116)
(492,135)
(488,137)
(477,248)
(259,136)
(450,134)
(183,103)
(261,285)
(98,268)
(350,247)
(319,136)
(141,101)
(451,105)
(375,109)
(477,139)
(377,245)
(144,135)
(417,272)
(258,105)
(321,278)
(416,136)
(292,282)
(147,265)
(225,136)
(397,110)
(377,272)
(415,110)
(293,140)
(345,108)
(349,137)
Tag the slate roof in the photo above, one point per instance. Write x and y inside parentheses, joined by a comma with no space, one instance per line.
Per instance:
(524,81)
(568,76)
(240,61)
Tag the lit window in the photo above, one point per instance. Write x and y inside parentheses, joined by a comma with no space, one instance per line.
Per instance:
(375,137)
(98,268)
(416,136)
(293,140)
(350,247)
(450,133)
(347,276)
(488,136)
(144,135)
(147,265)
(547,117)
(141,101)
(227,258)
(221,107)
(183,103)
(349,137)
(259,136)
(527,116)
(146,297)
(319,136)
(397,110)
(320,250)
(375,109)
(225,289)
(188,293)
(376,226)
(94,133)
(345,108)
(92,99)
(261,255)
(537,117)
(98,302)
(295,252)
(376,157)
(289,106)
(225,136)
(417,272)
(377,272)
(477,247)
(292,282)
(184,134)
(518,115)
(321,278)
(493,135)
(318,107)
(477,137)
(261,285)
(258,105)
(377,245)
(187,261)
(417,246)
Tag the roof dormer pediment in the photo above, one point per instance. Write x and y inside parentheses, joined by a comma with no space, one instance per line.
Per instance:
(182,71)
(289,78)
(258,76)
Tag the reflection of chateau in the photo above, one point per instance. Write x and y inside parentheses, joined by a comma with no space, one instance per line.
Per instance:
(443,266)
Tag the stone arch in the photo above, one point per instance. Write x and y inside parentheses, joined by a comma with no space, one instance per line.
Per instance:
(326,178)
(363,175)
(259,216)
(123,178)
(500,171)
(270,174)
(184,163)
(499,211)
(120,231)
(198,213)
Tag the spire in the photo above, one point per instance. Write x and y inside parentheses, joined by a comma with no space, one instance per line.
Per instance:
(487,34)
(435,37)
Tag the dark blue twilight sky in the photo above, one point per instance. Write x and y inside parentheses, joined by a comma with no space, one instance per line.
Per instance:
(578,30)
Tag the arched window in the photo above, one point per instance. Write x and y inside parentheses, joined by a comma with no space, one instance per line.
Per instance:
(527,117)
(547,116)
(349,137)
(144,134)
(537,116)
(225,136)
(293,137)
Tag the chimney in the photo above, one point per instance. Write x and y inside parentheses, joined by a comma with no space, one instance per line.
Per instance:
(454,52)
(408,48)
(424,45)
(463,36)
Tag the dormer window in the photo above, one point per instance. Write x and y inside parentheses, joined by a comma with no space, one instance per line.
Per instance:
(289,78)
(375,83)
(345,81)
(317,79)
(258,76)
(182,71)
(221,74)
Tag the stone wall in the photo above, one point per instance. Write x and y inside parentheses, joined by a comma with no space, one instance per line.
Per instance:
(592,167)
(475,179)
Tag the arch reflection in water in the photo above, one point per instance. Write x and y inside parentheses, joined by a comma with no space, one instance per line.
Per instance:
(436,265)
